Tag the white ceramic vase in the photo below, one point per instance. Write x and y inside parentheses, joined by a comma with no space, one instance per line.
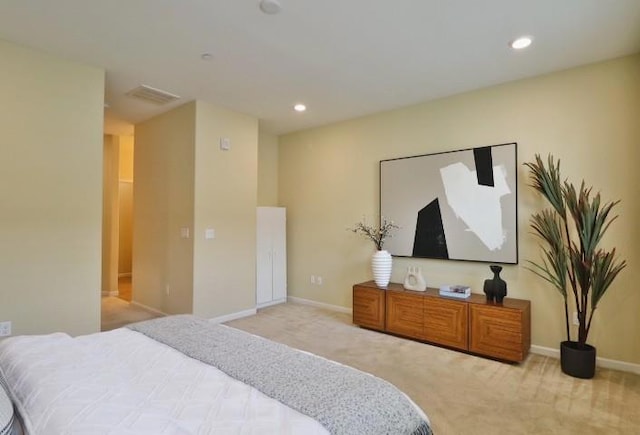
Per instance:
(381,266)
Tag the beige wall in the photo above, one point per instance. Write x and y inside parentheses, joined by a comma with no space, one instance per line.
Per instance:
(50,192)
(184,180)
(125,162)
(588,117)
(125,227)
(164,194)
(225,201)
(267,169)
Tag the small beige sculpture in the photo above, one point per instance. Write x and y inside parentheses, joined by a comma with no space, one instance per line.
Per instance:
(414,280)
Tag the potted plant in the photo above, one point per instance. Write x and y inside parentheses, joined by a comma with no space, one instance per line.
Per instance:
(381,262)
(572,261)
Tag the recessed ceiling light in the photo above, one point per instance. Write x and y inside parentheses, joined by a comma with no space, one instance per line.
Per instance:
(206,56)
(299,107)
(521,42)
(270,6)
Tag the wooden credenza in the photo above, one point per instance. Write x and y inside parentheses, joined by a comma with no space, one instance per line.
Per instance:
(500,331)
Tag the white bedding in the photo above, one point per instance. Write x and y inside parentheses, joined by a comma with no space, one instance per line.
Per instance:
(122,382)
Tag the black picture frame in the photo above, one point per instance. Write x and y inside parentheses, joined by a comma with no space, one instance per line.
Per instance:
(453,205)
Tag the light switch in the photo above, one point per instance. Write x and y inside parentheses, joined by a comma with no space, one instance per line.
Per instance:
(209,233)
(184,232)
(225,143)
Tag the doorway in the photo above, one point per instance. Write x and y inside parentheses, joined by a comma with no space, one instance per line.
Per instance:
(125,239)
(118,217)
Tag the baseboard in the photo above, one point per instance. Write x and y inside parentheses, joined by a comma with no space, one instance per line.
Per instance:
(148,308)
(320,304)
(600,362)
(111,293)
(234,316)
(545,351)
(220,319)
(124,275)
(270,303)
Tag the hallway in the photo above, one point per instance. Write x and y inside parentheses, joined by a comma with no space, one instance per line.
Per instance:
(116,313)
(124,288)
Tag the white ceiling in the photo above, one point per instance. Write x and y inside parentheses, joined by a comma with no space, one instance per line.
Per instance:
(343,59)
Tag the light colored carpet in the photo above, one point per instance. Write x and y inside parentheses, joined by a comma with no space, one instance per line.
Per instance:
(116,313)
(463,394)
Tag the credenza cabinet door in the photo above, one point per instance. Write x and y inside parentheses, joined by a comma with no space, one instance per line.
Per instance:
(405,314)
(368,307)
(446,322)
(498,332)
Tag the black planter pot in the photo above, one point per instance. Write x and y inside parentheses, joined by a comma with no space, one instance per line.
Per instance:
(578,361)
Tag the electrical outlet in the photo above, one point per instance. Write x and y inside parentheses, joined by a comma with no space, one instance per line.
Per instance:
(167,289)
(313,279)
(319,280)
(575,318)
(5,329)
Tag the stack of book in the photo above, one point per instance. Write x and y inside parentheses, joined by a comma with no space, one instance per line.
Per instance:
(455,291)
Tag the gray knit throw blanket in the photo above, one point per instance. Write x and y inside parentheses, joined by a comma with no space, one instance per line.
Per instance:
(344,400)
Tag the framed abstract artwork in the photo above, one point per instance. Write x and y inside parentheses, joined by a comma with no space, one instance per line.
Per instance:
(455,205)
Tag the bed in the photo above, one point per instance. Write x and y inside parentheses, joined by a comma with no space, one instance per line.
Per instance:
(185,375)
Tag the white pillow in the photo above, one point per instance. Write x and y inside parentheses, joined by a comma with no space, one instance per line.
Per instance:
(8,425)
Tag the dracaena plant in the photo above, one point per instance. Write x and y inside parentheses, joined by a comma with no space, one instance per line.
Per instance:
(570,232)
(376,233)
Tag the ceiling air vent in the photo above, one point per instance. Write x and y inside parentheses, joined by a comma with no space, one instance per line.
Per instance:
(152,95)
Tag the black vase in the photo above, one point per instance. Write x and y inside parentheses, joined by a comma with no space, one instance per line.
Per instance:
(495,288)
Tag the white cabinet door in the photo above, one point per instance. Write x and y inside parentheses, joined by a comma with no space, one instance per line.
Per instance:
(279,257)
(264,292)
(271,251)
